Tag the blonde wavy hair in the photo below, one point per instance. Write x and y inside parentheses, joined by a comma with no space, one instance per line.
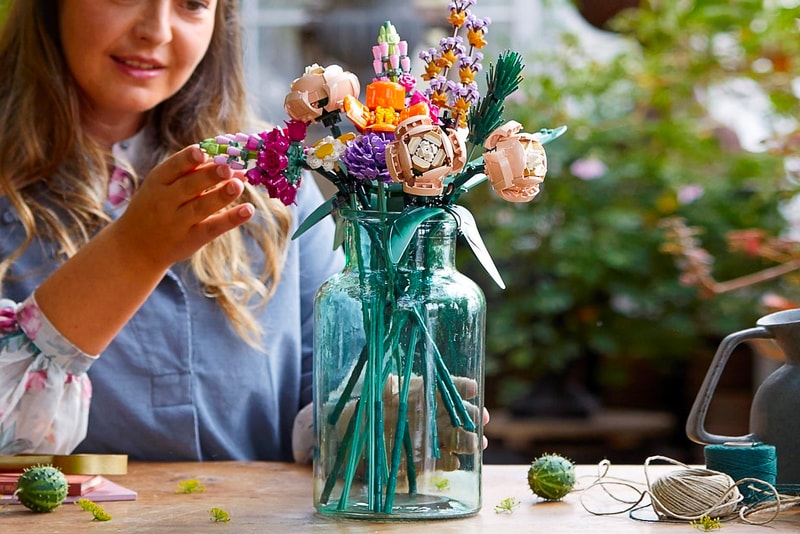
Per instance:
(56,177)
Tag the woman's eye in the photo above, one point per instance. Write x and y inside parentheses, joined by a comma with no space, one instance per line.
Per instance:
(192,5)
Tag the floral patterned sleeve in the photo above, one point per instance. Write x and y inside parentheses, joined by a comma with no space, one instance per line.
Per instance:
(44,389)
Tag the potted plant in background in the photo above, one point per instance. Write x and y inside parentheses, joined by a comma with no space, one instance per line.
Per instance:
(593,298)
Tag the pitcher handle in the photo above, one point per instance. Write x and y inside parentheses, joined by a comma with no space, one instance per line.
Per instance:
(695,424)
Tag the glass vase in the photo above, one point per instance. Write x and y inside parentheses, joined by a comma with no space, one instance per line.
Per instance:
(398,376)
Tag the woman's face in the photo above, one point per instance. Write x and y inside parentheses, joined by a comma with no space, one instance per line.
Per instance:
(127,56)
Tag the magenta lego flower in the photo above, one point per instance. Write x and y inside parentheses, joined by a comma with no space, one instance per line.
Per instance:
(277,168)
(278,187)
(296,130)
(272,162)
(275,140)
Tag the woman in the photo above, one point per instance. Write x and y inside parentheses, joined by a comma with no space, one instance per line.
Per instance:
(127,254)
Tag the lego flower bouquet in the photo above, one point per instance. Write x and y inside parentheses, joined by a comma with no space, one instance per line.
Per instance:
(399,333)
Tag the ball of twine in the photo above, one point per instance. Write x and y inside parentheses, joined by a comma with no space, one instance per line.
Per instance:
(692,493)
(688,494)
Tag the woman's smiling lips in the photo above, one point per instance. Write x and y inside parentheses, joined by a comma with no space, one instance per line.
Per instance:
(138,67)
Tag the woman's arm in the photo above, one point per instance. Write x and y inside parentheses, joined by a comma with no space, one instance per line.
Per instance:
(183,204)
(47,343)
(44,389)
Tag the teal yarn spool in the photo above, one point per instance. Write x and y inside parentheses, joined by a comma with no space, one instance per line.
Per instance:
(745,460)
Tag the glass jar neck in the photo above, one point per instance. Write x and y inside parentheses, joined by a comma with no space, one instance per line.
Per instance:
(369,236)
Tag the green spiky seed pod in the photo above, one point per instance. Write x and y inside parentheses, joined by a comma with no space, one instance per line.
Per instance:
(42,488)
(551,477)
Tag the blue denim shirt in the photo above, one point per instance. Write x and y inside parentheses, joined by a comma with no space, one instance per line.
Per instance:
(178,383)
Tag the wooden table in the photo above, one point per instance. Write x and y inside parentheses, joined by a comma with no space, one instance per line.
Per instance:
(276,497)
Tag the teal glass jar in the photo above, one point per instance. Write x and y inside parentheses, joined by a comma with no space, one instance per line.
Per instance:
(398,377)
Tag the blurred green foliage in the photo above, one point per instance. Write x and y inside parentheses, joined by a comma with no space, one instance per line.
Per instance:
(583,264)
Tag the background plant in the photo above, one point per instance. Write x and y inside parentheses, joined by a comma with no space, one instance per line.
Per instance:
(587,280)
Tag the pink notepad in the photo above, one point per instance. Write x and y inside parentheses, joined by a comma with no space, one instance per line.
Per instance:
(78,484)
(102,490)
(108,491)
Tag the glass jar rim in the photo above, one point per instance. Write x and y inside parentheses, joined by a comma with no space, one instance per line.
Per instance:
(351,214)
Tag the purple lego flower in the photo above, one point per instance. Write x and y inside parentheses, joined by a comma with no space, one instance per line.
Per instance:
(439,84)
(472,62)
(365,158)
(476,24)
(429,55)
(470,92)
(461,5)
(452,43)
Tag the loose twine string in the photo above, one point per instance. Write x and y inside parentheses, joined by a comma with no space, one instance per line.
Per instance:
(688,494)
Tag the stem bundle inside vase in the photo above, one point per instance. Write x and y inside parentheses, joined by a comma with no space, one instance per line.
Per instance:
(391,428)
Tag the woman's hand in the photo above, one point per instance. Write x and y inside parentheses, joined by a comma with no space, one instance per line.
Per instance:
(184,203)
(451,440)
(303,431)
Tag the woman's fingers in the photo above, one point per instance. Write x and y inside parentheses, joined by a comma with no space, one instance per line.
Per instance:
(187,201)
(466,387)
(210,201)
(459,441)
(200,190)
(219,223)
(177,165)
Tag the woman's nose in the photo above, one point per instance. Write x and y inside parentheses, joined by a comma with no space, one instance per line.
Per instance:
(155,22)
